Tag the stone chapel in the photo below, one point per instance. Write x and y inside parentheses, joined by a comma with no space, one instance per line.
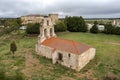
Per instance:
(68,53)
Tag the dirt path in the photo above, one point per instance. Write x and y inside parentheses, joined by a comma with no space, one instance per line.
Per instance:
(32,65)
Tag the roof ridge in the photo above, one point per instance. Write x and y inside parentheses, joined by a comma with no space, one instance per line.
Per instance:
(65,39)
(75,46)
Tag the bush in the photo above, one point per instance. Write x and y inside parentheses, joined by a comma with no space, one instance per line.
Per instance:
(7,30)
(60,27)
(109,28)
(75,24)
(33,28)
(94,29)
(117,30)
(13,47)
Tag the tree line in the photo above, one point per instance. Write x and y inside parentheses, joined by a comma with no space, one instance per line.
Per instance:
(72,24)
(109,29)
(75,24)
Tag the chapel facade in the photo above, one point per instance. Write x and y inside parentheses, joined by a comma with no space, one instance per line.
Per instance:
(68,53)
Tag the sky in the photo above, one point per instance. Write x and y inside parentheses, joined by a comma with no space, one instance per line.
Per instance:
(85,8)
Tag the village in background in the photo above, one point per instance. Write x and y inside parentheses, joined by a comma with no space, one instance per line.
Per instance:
(23,21)
(46,47)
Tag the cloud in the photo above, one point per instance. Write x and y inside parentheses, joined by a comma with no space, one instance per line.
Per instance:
(85,8)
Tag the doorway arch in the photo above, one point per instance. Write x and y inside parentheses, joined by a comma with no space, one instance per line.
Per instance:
(45,32)
(51,32)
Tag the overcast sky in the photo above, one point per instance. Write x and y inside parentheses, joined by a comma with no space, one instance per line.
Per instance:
(85,8)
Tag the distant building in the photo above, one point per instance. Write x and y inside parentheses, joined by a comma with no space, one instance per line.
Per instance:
(68,53)
(89,26)
(116,23)
(23,28)
(101,27)
(37,18)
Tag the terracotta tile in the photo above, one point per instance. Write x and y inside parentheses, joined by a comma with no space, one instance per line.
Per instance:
(66,45)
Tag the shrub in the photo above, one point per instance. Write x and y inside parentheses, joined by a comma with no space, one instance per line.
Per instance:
(7,30)
(94,29)
(13,47)
(117,30)
(60,27)
(33,28)
(109,29)
(75,24)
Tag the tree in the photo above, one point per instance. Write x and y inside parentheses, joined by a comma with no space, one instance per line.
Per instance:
(109,29)
(11,23)
(19,21)
(117,31)
(60,26)
(33,28)
(94,29)
(13,47)
(75,24)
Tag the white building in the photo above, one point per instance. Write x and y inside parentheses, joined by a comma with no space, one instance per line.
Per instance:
(23,28)
(101,27)
(89,26)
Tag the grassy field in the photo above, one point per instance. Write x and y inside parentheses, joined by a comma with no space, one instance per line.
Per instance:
(26,64)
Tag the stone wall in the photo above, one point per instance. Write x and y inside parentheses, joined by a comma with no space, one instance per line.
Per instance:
(85,57)
(38,19)
(30,19)
(45,51)
(54,17)
(68,59)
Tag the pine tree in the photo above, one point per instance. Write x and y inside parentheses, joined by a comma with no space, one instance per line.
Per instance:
(13,47)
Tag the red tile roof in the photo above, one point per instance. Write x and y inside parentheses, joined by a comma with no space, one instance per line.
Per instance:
(66,45)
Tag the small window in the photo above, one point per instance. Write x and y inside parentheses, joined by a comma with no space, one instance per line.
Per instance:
(47,22)
(60,56)
(69,55)
(42,20)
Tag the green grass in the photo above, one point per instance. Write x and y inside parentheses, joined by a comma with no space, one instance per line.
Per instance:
(105,63)
(107,55)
